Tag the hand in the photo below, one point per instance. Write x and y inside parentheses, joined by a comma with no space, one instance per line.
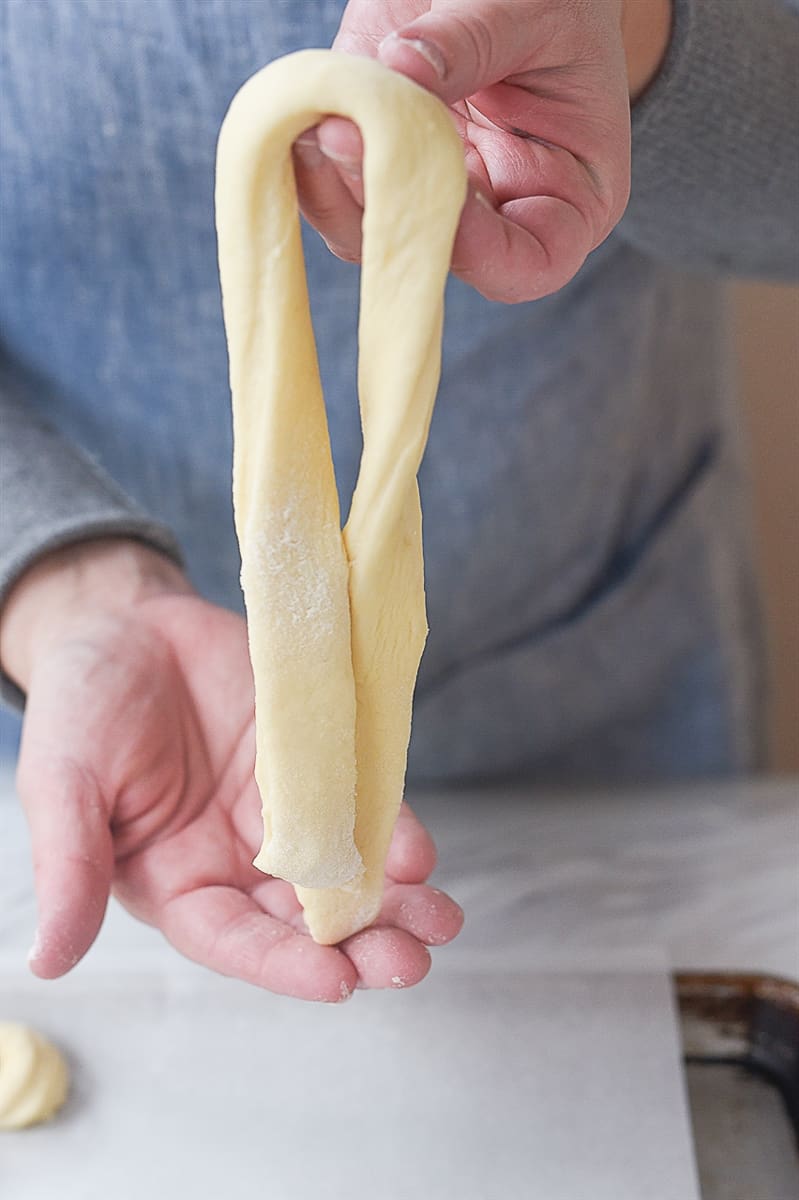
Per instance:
(538,90)
(136,769)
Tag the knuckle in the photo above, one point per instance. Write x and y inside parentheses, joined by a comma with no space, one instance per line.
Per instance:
(474,40)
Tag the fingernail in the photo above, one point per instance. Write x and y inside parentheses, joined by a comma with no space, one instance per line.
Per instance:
(350,166)
(427,50)
(308,152)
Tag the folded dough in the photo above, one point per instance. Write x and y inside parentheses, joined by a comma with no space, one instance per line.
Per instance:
(336,622)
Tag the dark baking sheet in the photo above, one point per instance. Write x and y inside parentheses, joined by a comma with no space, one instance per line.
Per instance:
(741,1046)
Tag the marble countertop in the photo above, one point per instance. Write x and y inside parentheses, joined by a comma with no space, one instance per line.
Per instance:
(701,877)
(543,1047)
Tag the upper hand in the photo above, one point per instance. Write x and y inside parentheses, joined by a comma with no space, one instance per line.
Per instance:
(538,90)
(136,772)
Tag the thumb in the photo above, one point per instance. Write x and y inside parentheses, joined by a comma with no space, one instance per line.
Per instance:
(70,836)
(461,46)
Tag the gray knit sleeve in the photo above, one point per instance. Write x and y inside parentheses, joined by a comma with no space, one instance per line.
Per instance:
(52,494)
(716,142)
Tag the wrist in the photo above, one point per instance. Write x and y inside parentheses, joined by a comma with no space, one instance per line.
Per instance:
(646,33)
(57,592)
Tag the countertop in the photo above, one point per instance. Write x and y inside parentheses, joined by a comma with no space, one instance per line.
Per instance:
(540,1058)
(694,877)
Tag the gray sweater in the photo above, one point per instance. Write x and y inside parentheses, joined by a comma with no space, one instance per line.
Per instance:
(590,592)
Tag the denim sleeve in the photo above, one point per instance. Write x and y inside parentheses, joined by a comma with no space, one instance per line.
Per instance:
(52,494)
(715,183)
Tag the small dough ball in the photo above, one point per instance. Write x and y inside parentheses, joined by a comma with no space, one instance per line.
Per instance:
(33,1077)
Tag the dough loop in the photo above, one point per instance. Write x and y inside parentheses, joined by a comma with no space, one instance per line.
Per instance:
(336,621)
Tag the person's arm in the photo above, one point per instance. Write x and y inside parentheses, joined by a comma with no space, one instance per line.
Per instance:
(53,495)
(715,161)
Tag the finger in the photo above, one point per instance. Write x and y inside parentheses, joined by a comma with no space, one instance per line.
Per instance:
(524,250)
(341,144)
(527,143)
(67,815)
(412,853)
(326,197)
(427,913)
(460,46)
(279,899)
(387,957)
(535,210)
(224,929)
(341,141)
(72,863)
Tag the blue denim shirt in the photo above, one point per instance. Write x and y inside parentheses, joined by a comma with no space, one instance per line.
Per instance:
(589,586)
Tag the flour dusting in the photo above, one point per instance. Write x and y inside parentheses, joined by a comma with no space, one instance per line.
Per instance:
(298,578)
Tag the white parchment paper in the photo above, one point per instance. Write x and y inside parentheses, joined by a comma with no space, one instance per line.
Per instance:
(546,1086)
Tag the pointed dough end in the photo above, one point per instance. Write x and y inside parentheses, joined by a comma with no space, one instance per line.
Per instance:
(334,914)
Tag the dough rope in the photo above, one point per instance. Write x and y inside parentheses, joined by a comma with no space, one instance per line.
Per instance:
(336,621)
(33,1077)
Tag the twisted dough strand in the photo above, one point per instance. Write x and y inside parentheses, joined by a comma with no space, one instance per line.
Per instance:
(336,622)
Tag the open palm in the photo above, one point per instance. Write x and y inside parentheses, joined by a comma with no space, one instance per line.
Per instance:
(136,772)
